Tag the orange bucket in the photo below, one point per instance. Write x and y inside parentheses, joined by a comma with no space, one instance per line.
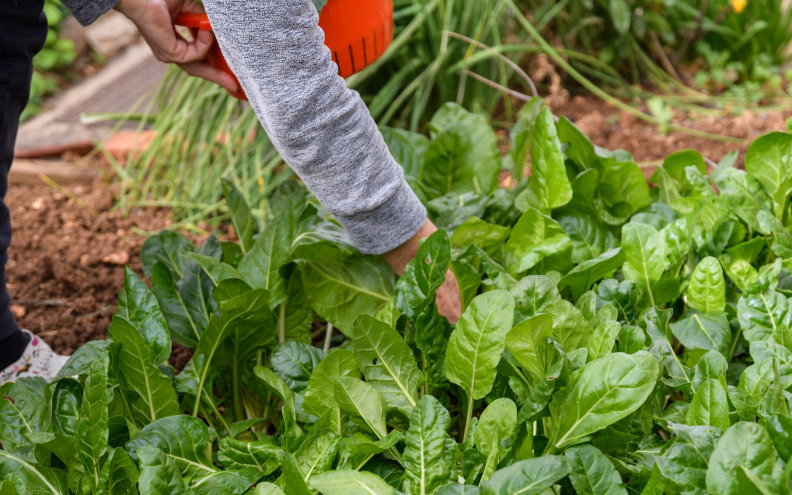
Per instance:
(357,32)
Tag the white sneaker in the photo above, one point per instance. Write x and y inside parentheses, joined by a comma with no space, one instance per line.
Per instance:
(37,360)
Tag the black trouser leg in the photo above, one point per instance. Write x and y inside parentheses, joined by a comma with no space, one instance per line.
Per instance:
(23,30)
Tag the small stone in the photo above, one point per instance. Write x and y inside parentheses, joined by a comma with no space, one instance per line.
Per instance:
(18,310)
(37,204)
(117,258)
(85,260)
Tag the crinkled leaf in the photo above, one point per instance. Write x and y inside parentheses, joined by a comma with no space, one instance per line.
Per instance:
(591,473)
(685,458)
(463,155)
(425,467)
(534,238)
(361,400)
(707,289)
(387,363)
(761,312)
(769,161)
(262,455)
(589,236)
(139,307)
(294,363)
(119,474)
(708,331)
(319,394)
(343,287)
(747,445)
(92,429)
(423,275)
(167,247)
(159,474)
(150,392)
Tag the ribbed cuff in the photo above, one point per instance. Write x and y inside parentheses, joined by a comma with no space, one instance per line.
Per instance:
(389,226)
(87,11)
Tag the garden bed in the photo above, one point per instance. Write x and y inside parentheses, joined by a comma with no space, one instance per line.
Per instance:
(612,337)
(84,295)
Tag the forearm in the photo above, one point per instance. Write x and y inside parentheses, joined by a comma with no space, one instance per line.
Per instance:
(322,129)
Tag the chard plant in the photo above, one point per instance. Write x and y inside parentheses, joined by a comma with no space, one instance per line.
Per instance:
(616,338)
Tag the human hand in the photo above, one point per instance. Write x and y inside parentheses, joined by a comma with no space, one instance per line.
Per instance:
(154,19)
(448,301)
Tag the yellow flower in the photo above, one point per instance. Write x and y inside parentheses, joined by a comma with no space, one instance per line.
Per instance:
(738,5)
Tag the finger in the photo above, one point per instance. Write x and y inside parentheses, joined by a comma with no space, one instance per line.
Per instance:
(210,73)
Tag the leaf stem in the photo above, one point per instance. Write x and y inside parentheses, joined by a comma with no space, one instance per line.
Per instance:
(328,337)
(282,323)
(468,417)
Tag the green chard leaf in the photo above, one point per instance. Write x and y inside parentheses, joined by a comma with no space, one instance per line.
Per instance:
(319,393)
(387,363)
(603,392)
(710,406)
(769,161)
(424,460)
(159,474)
(463,155)
(529,477)
(746,445)
(260,267)
(351,483)
(360,400)
(645,251)
(685,459)
(495,433)
(343,287)
(140,308)
(549,180)
(591,473)
(150,392)
(478,341)
(707,289)
(535,238)
(530,342)
(415,290)
(92,429)
(241,216)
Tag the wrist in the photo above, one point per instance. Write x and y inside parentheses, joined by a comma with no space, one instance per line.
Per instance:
(132,9)
(399,257)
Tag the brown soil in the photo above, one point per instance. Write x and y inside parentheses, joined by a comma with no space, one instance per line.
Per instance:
(66,260)
(613,129)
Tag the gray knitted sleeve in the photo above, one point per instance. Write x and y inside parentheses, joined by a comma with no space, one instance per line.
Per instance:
(87,11)
(322,129)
